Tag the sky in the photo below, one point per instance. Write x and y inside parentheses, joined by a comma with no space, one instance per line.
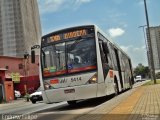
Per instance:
(120,19)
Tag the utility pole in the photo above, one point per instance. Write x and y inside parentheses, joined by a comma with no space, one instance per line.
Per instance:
(26,58)
(150,45)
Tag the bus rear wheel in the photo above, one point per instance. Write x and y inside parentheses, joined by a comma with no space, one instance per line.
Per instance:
(71,102)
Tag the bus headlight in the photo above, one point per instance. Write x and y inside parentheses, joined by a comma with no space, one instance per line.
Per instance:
(93,79)
(47,86)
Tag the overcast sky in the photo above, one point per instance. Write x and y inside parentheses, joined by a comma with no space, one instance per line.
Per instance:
(118,18)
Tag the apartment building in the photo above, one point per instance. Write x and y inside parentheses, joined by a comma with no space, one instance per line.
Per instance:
(155,42)
(19,27)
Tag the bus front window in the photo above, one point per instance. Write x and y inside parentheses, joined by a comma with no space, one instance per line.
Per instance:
(53,60)
(69,57)
(81,55)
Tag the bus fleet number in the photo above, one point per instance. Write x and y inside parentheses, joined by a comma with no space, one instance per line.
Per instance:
(75,79)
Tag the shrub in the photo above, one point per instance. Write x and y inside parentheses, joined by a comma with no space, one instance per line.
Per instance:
(158,75)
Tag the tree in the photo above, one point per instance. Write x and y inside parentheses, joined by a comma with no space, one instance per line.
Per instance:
(142,70)
(158,75)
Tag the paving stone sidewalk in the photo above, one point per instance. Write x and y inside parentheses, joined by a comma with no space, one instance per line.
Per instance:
(142,104)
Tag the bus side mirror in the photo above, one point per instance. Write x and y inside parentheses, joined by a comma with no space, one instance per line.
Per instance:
(32,56)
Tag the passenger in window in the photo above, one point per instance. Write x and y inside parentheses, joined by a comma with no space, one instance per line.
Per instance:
(76,61)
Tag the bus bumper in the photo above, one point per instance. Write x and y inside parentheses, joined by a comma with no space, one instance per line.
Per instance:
(70,93)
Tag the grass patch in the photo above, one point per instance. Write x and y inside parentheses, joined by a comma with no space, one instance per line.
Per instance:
(152,82)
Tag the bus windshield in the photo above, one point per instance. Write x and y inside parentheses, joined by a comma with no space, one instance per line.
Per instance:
(69,57)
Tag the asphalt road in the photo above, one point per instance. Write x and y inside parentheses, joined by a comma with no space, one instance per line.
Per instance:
(92,106)
(22,107)
(63,111)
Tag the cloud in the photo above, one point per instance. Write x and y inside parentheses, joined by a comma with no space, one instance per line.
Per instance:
(115,32)
(50,6)
(137,54)
(125,48)
(83,1)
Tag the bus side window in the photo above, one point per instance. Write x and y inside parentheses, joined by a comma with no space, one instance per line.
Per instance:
(105,50)
(115,67)
(110,61)
(104,59)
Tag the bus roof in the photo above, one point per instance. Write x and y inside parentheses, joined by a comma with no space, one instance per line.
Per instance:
(65,29)
(89,25)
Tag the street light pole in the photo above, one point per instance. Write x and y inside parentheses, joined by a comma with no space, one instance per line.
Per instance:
(26,57)
(143,26)
(150,45)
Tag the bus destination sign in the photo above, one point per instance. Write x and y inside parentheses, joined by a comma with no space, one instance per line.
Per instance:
(68,35)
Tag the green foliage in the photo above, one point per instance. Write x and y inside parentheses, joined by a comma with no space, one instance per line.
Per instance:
(158,75)
(142,70)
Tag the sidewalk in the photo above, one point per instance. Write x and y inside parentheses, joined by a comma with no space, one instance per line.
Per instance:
(142,104)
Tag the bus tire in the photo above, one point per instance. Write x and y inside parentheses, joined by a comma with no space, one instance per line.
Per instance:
(116,86)
(71,102)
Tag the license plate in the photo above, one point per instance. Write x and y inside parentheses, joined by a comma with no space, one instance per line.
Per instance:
(69,91)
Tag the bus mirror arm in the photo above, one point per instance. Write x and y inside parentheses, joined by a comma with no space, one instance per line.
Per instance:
(32,56)
(33,52)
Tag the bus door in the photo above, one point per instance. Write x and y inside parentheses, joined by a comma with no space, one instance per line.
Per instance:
(119,67)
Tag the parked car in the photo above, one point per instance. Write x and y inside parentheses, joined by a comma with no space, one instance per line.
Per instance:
(138,78)
(36,96)
(17,94)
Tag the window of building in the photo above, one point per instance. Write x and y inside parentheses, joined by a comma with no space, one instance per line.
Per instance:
(20,66)
(7,67)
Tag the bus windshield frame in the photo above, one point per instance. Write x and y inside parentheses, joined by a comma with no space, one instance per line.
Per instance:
(74,55)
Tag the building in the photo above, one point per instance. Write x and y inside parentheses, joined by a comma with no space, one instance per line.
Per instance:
(22,66)
(155,42)
(26,79)
(19,27)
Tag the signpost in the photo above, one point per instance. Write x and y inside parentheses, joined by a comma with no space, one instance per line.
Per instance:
(15,77)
